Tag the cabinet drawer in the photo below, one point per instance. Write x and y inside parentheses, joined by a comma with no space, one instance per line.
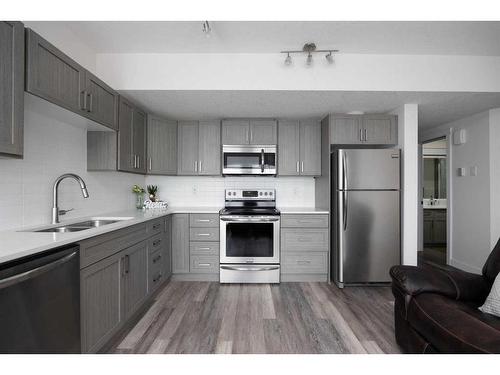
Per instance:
(204,248)
(427,213)
(156,243)
(204,234)
(155,226)
(304,240)
(204,264)
(440,214)
(304,263)
(96,248)
(204,220)
(304,221)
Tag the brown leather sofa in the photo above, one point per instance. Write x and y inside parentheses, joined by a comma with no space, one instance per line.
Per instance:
(436,310)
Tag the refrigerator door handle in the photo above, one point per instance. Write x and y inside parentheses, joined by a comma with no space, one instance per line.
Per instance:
(344,208)
(344,172)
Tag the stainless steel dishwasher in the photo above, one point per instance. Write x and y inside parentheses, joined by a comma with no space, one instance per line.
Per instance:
(40,303)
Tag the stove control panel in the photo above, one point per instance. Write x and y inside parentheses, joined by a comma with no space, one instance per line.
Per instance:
(257,194)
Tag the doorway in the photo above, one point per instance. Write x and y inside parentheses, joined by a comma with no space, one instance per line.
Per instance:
(434,202)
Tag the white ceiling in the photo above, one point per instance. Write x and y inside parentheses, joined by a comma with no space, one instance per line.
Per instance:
(440,38)
(434,108)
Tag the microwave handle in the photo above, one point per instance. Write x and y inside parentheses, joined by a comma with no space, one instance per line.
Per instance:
(262,160)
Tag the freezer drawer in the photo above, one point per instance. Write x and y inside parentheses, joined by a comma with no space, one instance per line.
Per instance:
(367,236)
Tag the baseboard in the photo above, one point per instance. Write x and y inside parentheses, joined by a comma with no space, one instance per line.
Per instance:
(301,277)
(195,277)
(464,267)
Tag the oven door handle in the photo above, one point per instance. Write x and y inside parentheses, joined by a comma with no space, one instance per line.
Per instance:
(242,220)
(250,268)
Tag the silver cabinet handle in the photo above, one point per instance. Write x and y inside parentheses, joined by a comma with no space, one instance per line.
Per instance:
(247,137)
(203,220)
(135,161)
(298,166)
(303,262)
(90,107)
(200,167)
(126,264)
(203,248)
(196,166)
(156,259)
(203,234)
(34,272)
(302,166)
(156,243)
(204,264)
(158,277)
(361,135)
(138,161)
(83,95)
(150,164)
(366,135)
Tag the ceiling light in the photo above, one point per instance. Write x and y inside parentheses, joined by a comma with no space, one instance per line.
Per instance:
(329,57)
(309,49)
(207,30)
(309,59)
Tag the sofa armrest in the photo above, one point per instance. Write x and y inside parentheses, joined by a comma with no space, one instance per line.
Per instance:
(469,286)
(413,281)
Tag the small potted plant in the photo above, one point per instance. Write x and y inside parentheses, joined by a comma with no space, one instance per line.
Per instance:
(139,196)
(152,190)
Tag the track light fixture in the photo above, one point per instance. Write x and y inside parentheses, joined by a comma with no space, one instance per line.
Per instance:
(310,48)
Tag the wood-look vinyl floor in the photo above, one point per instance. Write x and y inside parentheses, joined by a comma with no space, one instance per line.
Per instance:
(207,317)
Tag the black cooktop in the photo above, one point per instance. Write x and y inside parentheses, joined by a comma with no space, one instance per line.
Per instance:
(249,211)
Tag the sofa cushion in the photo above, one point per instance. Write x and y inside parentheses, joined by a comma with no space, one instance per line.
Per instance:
(454,326)
(492,304)
(492,266)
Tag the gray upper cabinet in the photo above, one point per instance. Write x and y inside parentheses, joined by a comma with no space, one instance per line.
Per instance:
(100,101)
(235,132)
(134,271)
(11,88)
(299,148)
(263,132)
(187,147)
(52,75)
(379,129)
(254,132)
(363,129)
(162,146)
(132,130)
(198,145)
(310,148)
(180,243)
(209,148)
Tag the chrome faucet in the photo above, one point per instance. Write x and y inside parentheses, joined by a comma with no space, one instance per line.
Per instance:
(55,206)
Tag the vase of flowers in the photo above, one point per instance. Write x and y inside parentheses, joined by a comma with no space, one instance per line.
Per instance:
(152,190)
(139,196)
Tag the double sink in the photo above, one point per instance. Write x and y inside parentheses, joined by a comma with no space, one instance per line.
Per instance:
(83,225)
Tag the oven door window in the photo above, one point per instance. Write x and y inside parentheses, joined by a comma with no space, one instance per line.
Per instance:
(253,240)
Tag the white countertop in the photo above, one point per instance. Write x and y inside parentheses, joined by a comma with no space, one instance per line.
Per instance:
(302,210)
(16,244)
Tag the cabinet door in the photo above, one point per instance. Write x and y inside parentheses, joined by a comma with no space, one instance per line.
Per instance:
(428,232)
(11,88)
(263,132)
(310,148)
(209,148)
(52,75)
(288,148)
(235,132)
(162,146)
(134,271)
(180,243)
(345,130)
(139,139)
(101,102)
(168,247)
(100,302)
(379,129)
(187,148)
(439,231)
(126,159)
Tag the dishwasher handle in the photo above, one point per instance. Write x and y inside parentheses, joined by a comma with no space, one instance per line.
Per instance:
(30,274)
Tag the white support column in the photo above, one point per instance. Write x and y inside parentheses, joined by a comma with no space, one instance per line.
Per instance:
(408,142)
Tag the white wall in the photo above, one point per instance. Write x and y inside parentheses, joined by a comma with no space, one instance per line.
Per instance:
(209,191)
(53,147)
(474,200)
(354,72)
(408,142)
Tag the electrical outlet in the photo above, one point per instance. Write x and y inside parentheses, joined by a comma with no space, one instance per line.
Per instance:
(462,172)
(473,170)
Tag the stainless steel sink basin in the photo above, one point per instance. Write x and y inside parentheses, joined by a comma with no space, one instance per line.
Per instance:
(83,225)
(63,229)
(93,223)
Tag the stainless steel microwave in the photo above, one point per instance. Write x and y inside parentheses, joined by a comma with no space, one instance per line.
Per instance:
(249,160)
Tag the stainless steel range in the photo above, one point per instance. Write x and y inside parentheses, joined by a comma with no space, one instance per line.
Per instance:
(250,237)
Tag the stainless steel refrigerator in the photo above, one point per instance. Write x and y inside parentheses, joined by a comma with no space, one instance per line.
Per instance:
(366,215)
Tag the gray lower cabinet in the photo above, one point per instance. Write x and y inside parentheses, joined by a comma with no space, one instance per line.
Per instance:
(299,148)
(249,131)
(134,278)
(11,88)
(100,302)
(162,146)
(435,228)
(304,247)
(132,130)
(363,129)
(180,243)
(198,148)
